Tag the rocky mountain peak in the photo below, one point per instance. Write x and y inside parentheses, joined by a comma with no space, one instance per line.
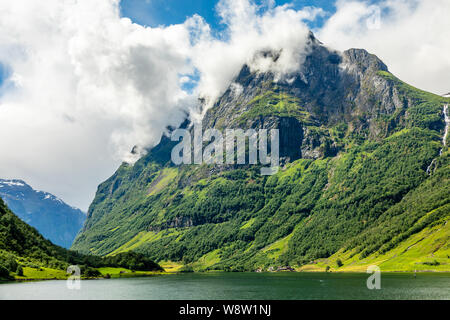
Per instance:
(13,183)
(364,60)
(55,219)
(362,174)
(330,87)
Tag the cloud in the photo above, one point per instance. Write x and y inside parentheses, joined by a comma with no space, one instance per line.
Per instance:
(411,36)
(250,29)
(84,85)
(87,85)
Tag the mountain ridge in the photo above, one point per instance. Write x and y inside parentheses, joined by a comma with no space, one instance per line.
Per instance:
(355,144)
(56,220)
(26,255)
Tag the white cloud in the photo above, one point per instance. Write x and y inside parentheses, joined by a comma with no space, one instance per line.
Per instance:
(412,37)
(88,85)
(250,30)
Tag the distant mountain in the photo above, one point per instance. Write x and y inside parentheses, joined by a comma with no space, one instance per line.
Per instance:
(52,217)
(25,254)
(20,242)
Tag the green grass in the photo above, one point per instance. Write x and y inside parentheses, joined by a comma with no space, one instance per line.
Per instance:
(208,260)
(277,248)
(274,103)
(166,176)
(248,224)
(144,237)
(419,252)
(49,274)
(42,274)
(126,273)
(171,266)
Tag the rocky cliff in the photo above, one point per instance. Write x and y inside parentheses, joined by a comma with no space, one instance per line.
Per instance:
(355,143)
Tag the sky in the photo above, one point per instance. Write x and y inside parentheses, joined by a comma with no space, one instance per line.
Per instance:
(82,82)
(165,12)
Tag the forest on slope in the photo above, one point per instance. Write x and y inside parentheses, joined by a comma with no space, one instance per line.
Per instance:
(353,188)
(25,254)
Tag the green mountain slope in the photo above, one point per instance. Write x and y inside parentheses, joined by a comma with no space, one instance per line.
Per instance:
(17,239)
(414,234)
(356,143)
(24,253)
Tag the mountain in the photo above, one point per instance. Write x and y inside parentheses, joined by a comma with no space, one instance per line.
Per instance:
(21,243)
(364,178)
(56,220)
(25,253)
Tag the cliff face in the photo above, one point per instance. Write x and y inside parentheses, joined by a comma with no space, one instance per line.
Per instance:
(355,143)
(330,88)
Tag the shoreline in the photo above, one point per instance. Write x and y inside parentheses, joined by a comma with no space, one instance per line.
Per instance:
(5,281)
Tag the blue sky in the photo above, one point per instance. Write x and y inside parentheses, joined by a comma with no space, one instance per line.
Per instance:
(165,12)
(4,74)
(69,89)
(154,13)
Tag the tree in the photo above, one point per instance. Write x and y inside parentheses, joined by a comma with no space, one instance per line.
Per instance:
(19,270)
(4,273)
(339,263)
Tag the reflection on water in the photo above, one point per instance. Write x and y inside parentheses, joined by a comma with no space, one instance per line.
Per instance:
(229,286)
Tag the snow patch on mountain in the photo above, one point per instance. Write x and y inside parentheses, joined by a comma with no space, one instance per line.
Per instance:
(50,215)
(18,183)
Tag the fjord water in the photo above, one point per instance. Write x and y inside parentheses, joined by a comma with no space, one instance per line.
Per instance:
(231,286)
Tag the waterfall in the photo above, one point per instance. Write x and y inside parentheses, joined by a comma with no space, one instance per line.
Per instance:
(444,139)
(447,123)
(431,166)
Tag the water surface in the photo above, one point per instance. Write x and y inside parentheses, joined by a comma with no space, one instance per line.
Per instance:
(231,286)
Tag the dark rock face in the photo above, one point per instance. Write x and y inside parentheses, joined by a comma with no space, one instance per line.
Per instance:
(53,218)
(291,138)
(177,222)
(331,87)
(328,109)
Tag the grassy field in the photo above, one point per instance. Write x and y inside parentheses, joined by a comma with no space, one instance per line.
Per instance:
(124,273)
(41,274)
(171,267)
(54,274)
(144,237)
(207,260)
(428,250)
